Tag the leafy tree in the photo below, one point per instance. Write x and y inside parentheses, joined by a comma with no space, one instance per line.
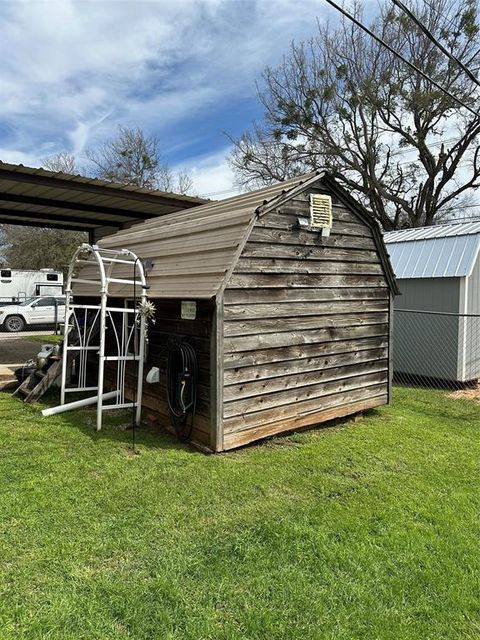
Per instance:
(343,102)
(38,248)
(134,158)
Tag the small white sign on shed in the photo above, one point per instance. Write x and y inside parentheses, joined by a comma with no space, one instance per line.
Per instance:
(189,310)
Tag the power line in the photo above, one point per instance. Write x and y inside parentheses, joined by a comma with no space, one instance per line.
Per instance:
(436,42)
(402,58)
(435,9)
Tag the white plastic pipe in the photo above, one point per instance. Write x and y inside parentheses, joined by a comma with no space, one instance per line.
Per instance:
(51,411)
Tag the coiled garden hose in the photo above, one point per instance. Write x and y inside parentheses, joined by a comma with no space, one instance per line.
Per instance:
(181,383)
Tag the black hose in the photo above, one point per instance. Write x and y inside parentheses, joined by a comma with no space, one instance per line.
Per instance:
(182,380)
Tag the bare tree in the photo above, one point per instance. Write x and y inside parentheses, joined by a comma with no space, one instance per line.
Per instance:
(64,162)
(345,103)
(134,158)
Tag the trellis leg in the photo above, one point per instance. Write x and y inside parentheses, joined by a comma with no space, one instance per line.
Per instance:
(141,356)
(101,353)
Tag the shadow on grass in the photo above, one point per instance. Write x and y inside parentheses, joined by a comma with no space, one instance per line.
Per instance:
(116,426)
(436,404)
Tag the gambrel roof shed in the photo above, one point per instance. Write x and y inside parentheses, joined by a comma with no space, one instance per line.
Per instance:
(193,252)
(285,295)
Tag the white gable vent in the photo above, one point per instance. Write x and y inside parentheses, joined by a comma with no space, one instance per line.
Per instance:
(321,213)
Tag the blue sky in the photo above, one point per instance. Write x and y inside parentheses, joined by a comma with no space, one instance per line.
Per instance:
(185,70)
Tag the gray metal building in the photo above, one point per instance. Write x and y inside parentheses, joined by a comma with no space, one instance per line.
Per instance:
(436,333)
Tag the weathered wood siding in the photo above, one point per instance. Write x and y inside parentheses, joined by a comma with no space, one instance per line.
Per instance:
(306,325)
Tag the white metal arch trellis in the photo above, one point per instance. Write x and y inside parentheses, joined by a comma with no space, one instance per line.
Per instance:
(85,323)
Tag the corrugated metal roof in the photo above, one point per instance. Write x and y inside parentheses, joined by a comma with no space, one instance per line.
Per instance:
(444,251)
(48,198)
(438,231)
(193,250)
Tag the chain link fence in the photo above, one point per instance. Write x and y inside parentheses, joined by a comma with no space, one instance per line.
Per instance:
(436,349)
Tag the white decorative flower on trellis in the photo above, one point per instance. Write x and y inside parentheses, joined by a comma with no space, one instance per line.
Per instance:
(147,310)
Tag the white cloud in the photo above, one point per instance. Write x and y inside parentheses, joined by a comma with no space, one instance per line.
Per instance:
(212,177)
(71,69)
(15,157)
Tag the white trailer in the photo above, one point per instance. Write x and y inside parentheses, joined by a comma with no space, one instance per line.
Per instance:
(18,284)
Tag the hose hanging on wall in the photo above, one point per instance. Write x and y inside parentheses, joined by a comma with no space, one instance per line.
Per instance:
(182,377)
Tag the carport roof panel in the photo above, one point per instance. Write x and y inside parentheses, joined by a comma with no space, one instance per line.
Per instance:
(47,198)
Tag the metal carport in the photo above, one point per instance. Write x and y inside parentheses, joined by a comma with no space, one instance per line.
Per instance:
(40,198)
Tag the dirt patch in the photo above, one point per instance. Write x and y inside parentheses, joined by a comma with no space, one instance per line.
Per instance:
(17,350)
(472,393)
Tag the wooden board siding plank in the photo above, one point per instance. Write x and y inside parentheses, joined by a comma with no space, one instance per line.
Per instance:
(305,408)
(256,311)
(290,381)
(287,296)
(315,267)
(302,365)
(339,228)
(234,362)
(310,252)
(295,208)
(245,328)
(292,396)
(311,238)
(290,338)
(313,250)
(282,280)
(243,437)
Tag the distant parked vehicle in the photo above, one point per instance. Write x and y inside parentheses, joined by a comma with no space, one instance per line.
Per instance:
(33,311)
(16,285)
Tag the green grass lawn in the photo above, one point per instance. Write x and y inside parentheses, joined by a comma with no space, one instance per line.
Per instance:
(363,530)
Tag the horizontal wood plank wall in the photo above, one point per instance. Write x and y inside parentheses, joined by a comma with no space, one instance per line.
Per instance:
(169,327)
(306,325)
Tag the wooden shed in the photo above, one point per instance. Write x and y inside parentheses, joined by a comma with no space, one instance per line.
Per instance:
(285,294)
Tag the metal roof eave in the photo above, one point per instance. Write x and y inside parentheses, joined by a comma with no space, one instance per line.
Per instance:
(36,197)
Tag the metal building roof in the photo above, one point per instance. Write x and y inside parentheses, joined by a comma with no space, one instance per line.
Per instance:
(443,251)
(36,197)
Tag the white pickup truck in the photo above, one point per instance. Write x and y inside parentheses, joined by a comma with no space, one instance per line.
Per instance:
(33,311)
